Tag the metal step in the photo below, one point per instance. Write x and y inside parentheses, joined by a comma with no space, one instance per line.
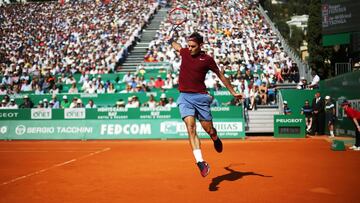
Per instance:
(257,121)
(260,130)
(261,125)
(136,56)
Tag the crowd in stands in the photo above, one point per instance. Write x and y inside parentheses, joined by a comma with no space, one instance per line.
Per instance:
(237,36)
(43,44)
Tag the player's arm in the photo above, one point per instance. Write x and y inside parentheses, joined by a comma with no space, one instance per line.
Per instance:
(228,85)
(174,44)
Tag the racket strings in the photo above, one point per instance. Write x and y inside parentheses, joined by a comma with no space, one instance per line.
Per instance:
(178,16)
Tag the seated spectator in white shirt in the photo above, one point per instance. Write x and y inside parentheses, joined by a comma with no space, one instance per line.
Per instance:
(90,104)
(73,89)
(100,89)
(171,103)
(91,89)
(70,80)
(12,104)
(315,81)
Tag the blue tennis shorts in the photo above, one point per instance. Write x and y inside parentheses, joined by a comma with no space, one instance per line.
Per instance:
(195,104)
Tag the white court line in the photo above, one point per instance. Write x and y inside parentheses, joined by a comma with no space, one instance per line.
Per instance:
(15,151)
(55,166)
(48,149)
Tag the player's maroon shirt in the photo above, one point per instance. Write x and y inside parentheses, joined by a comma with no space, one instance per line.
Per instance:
(193,70)
(352,113)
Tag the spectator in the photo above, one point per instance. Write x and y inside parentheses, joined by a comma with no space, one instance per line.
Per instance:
(135,102)
(254,97)
(73,89)
(111,89)
(163,100)
(65,102)
(271,92)
(79,104)
(159,83)
(151,83)
(330,115)
(27,103)
(318,106)
(168,84)
(54,90)
(12,104)
(46,103)
(294,73)
(40,105)
(3,90)
(263,90)
(3,104)
(51,104)
(56,103)
(127,78)
(151,103)
(302,84)
(73,103)
(120,104)
(315,81)
(130,103)
(354,116)
(306,110)
(38,89)
(90,104)
(287,110)
(70,80)
(91,40)
(100,89)
(171,103)
(91,89)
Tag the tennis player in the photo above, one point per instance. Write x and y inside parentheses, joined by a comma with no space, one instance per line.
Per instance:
(194,101)
(354,115)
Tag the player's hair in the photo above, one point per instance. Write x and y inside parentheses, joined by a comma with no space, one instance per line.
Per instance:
(196,37)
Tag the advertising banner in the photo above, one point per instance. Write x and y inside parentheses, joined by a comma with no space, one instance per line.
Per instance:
(112,129)
(289,126)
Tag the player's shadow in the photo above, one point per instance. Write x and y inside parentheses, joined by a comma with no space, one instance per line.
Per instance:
(232,176)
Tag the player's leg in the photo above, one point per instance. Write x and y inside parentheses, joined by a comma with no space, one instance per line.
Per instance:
(191,129)
(209,129)
(195,144)
(187,112)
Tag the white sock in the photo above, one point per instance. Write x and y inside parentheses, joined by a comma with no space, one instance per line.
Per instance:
(198,155)
(331,132)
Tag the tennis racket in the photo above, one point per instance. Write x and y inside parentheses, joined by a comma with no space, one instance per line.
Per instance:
(177,17)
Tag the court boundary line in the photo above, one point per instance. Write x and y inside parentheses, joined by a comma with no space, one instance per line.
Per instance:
(40,151)
(55,166)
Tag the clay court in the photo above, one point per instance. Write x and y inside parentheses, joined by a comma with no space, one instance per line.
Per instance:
(254,170)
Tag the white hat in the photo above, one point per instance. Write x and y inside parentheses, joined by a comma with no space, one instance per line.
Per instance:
(120,103)
(327,97)
(79,101)
(163,96)
(64,97)
(302,78)
(3,101)
(285,102)
(26,96)
(12,100)
(45,100)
